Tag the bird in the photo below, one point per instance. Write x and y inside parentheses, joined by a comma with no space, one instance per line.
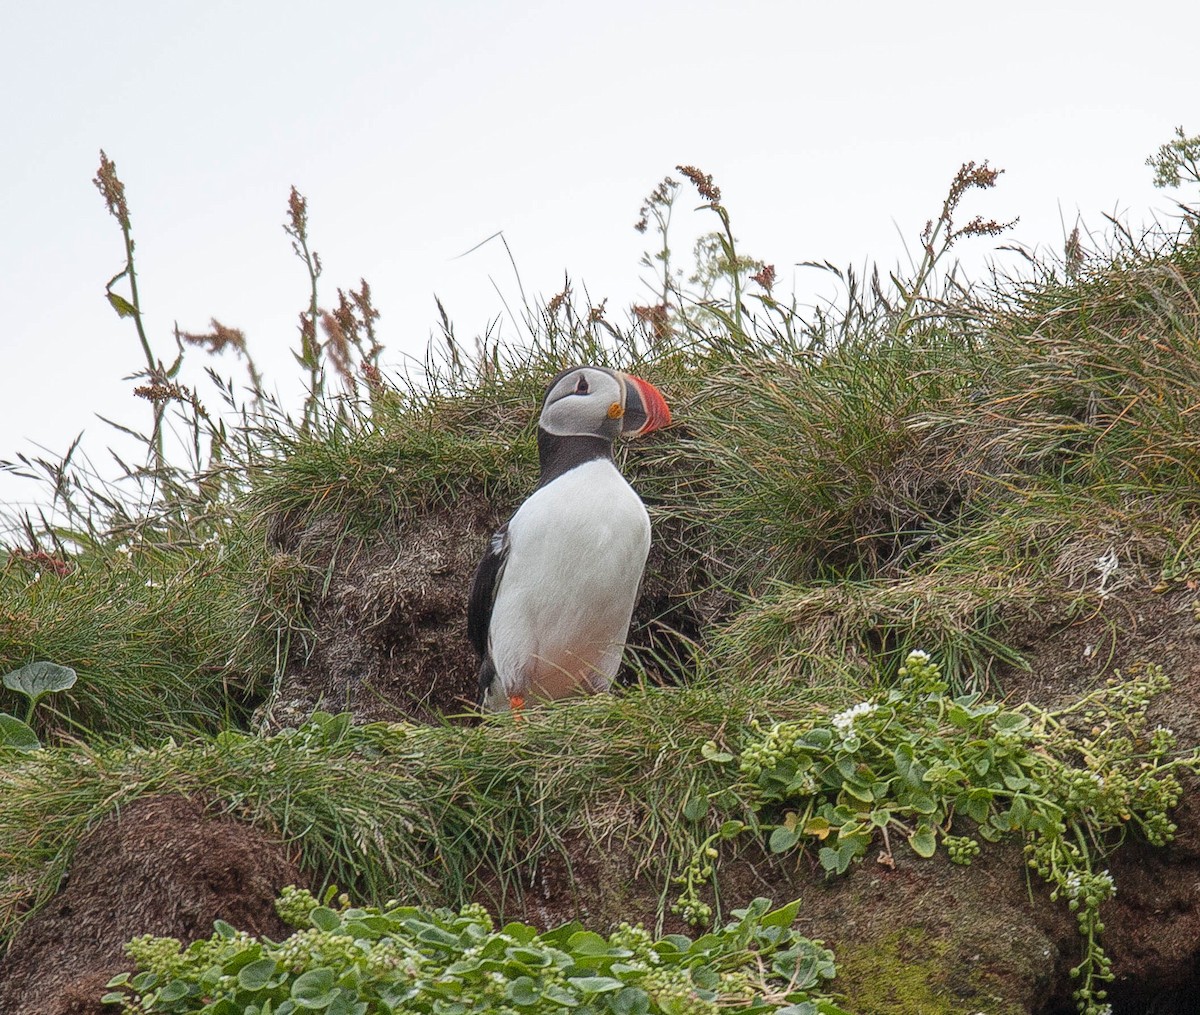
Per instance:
(552,598)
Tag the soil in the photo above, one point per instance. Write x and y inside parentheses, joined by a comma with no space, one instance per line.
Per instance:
(165,866)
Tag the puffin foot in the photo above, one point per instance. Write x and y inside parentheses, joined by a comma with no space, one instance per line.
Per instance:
(516,703)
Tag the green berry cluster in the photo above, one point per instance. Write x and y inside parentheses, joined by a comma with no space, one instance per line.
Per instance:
(961,849)
(637,940)
(294,905)
(672,990)
(313,947)
(160,955)
(478,914)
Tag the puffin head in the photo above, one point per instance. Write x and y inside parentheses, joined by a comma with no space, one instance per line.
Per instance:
(589,401)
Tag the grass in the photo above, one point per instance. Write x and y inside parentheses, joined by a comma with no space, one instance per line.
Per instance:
(162,636)
(924,465)
(380,808)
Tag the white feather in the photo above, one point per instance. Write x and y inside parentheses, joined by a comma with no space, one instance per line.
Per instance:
(577,548)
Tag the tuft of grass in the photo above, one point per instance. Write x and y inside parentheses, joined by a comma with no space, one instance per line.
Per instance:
(162,636)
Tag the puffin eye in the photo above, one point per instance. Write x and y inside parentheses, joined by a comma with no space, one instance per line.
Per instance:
(581,386)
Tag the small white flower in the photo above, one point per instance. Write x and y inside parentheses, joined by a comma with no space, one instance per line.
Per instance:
(844,720)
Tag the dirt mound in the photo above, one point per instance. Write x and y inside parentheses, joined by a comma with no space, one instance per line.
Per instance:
(162,866)
(389,640)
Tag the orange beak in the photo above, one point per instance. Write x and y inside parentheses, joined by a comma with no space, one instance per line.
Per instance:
(645,408)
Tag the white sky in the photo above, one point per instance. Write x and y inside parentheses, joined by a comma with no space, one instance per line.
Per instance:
(417,130)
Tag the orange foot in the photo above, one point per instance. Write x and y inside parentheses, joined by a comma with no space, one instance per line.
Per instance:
(516,703)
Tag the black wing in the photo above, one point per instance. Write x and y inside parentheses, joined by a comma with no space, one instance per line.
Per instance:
(483,590)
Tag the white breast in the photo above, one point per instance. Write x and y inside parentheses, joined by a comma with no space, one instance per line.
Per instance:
(577,550)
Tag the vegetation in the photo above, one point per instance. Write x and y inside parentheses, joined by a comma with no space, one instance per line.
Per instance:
(925,465)
(908,762)
(402,959)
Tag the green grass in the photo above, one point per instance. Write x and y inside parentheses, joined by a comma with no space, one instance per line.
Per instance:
(162,636)
(419,813)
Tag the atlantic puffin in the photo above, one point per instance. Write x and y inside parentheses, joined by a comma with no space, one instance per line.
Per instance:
(552,598)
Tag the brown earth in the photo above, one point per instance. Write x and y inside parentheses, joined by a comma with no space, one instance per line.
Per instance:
(163,866)
(912,936)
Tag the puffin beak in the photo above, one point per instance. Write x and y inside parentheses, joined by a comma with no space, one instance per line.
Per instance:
(645,408)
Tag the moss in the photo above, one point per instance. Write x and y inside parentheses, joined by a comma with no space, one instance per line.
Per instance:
(910,973)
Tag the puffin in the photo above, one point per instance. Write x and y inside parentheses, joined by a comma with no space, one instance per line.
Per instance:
(552,598)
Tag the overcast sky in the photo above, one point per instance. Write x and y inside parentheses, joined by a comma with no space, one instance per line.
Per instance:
(418,130)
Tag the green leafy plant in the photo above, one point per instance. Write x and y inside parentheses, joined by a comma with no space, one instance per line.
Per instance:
(350,961)
(917,765)
(34,681)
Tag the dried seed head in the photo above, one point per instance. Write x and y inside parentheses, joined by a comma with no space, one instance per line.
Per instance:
(657,318)
(297,214)
(765,277)
(217,340)
(113,190)
(557,301)
(337,345)
(703,183)
(1073,249)
(660,196)
(979,226)
(159,391)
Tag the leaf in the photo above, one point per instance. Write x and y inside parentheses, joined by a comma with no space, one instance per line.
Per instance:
(978,804)
(16,734)
(587,942)
(39,678)
(711,752)
(782,839)
(1019,811)
(731,829)
(837,860)
(630,1001)
(859,791)
(529,957)
(595,984)
(256,975)
(324,918)
(314,989)
(923,841)
(784,916)
(818,827)
(523,991)
(559,995)
(820,738)
(695,808)
(176,990)
(121,305)
(922,803)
